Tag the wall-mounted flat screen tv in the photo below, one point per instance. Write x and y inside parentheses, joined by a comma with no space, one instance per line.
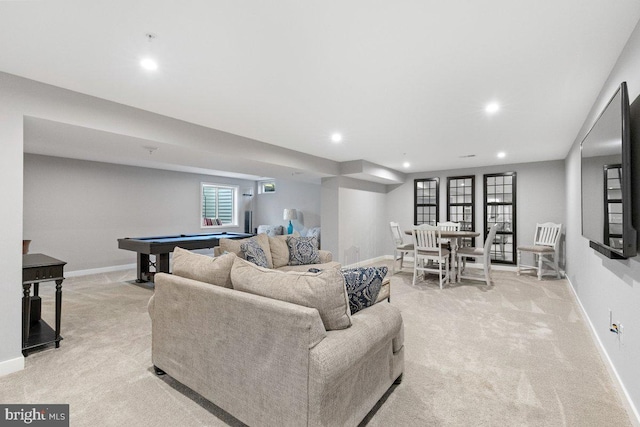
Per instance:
(606,180)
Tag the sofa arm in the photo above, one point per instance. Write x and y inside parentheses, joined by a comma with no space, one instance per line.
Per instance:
(360,363)
(242,351)
(372,328)
(325,256)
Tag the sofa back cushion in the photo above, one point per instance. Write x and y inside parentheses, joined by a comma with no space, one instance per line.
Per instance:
(324,291)
(235,246)
(279,250)
(216,271)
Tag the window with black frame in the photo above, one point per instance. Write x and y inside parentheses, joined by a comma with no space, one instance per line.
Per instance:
(500,208)
(460,204)
(426,195)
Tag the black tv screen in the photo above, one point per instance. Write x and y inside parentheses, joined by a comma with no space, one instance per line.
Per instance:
(606,180)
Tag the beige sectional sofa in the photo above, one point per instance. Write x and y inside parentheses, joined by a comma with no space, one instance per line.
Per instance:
(267,360)
(277,251)
(278,254)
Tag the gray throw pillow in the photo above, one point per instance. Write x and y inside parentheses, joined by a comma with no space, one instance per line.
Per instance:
(303,250)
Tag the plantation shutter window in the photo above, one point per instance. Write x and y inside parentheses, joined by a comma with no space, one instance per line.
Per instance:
(218,205)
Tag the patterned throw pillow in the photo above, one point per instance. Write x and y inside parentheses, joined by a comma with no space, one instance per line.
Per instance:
(271,230)
(303,250)
(254,253)
(363,286)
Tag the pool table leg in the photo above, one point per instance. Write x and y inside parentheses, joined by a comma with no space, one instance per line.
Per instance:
(143,268)
(162,263)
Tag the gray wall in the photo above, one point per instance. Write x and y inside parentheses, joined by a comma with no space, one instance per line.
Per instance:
(76,210)
(540,197)
(11,230)
(29,99)
(600,283)
(304,197)
(356,214)
(353,215)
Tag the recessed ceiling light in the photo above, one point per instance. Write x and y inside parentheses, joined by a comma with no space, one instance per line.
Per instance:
(406,165)
(502,155)
(336,137)
(149,64)
(492,108)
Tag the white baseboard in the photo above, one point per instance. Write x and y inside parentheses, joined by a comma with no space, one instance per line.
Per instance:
(622,390)
(368,261)
(99,270)
(12,365)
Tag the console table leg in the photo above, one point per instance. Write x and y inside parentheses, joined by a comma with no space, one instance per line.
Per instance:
(26,312)
(58,310)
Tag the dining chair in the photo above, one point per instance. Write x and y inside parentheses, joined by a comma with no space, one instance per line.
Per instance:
(483,253)
(449,226)
(401,248)
(427,247)
(545,244)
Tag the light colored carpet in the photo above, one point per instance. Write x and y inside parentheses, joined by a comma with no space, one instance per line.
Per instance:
(514,354)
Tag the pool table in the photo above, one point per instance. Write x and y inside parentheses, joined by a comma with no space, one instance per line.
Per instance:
(162,246)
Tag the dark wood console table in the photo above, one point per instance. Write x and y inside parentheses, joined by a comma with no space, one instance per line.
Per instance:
(38,268)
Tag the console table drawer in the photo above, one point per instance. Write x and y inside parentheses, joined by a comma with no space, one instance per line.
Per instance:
(41,274)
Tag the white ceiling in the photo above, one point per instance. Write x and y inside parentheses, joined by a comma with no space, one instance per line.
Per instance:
(394,77)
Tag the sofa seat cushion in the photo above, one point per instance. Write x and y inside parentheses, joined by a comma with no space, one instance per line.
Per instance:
(324,291)
(235,246)
(303,268)
(216,271)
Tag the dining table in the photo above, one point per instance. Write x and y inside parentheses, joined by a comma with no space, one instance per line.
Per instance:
(456,237)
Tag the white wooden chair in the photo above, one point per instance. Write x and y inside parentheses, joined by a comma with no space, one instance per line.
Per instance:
(427,247)
(401,248)
(449,226)
(545,244)
(483,253)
